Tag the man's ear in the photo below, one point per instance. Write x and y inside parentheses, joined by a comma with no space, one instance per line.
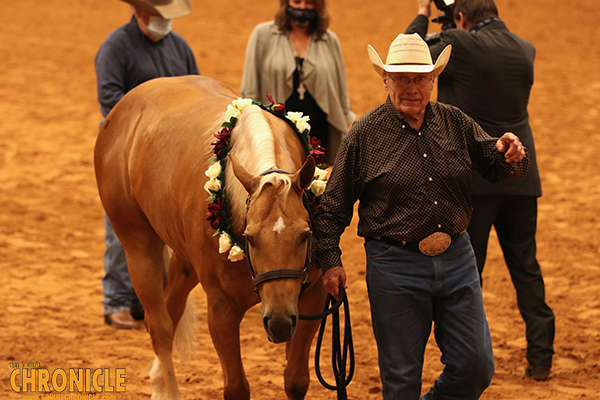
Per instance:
(463,22)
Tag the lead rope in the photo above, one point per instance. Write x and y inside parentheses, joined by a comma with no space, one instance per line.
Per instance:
(339,358)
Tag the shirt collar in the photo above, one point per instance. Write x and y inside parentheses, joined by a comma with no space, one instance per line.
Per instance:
(428,119)
(484,25)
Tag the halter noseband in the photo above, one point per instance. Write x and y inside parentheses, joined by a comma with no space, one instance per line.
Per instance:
(281,273)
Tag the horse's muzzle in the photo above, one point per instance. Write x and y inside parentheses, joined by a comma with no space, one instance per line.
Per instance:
(280,327)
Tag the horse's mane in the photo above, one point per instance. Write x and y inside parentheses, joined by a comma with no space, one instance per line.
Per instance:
(259,146)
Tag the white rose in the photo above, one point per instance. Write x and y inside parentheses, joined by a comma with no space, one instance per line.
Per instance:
(232,112)
(224,242)
(236,253)
(294,116)
(320,173)
(212,184)
(303,125)
(240,103)
(318,187)
(214,170)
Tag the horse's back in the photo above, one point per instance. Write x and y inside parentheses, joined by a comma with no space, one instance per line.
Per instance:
(155,139)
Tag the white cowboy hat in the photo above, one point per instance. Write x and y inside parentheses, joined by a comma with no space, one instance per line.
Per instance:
(409,53)
(168,9)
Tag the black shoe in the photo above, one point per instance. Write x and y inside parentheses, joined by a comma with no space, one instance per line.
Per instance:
(537,373)
(138,315)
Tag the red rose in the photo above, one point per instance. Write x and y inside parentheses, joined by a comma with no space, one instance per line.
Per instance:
(215,213)
(222,141)
(223,135)
(318,155)
(314,143)
(276,107)
(314,204)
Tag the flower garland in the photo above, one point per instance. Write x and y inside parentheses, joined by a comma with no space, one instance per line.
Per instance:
(217,215)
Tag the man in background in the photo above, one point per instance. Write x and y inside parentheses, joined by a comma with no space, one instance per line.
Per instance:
(143,49)
(489,77)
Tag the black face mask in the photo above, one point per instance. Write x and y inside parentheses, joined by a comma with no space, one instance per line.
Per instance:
(301,16)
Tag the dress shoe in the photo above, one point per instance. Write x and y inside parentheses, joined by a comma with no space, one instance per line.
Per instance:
(138,315)
(537,373)
(121,320)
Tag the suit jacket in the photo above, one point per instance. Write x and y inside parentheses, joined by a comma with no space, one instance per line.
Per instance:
(489,77)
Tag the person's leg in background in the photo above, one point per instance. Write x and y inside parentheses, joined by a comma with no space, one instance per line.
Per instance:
(516,227)
(122,308)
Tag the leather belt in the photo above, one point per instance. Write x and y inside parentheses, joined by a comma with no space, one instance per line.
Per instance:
(433,245)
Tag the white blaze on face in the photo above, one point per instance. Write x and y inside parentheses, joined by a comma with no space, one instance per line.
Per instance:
(279,225)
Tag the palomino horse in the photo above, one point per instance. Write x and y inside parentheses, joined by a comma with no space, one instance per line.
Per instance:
(150,158)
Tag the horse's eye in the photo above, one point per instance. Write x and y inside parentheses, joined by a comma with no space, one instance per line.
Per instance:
(248,238)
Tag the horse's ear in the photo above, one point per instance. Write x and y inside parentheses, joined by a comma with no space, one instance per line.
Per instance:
(248,181)
(305,175)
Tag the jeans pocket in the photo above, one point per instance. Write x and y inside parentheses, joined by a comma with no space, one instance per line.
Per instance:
(377,249)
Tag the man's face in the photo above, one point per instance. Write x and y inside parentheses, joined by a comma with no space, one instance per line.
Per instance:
(409,92)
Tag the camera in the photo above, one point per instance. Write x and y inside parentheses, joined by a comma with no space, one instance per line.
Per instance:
(445,19)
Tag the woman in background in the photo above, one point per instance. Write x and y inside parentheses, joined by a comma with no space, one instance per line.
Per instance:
(299,61)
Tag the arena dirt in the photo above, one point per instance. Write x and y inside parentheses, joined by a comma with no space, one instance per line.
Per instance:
(51,221)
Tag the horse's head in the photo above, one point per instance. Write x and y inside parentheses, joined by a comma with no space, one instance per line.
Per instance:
(278,238)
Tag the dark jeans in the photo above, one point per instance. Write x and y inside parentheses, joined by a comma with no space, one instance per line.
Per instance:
(409,291)
(515,221)
(116,283)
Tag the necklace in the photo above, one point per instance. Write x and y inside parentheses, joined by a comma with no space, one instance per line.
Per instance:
(301,88)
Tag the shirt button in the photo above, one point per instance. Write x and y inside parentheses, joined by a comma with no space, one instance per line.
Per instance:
(424,155)
(403,126)
(419,133)
(435,202)
(439,226)
(430,179)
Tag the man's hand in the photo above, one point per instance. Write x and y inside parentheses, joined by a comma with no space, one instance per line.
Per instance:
(424,7)
(332,278)
(511,146)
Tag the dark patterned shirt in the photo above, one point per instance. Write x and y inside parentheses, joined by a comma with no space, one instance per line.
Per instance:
(409,183)
(128,58)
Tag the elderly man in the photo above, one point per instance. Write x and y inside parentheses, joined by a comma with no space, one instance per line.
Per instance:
(143,49)
(489,78)
(408,162)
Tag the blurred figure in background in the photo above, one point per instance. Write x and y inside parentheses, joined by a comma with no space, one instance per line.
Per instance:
(489,77)
(143,49)
(299,61)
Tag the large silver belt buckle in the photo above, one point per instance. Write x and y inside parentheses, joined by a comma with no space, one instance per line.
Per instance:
(435,244)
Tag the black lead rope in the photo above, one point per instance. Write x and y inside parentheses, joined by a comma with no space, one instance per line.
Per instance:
(339,358)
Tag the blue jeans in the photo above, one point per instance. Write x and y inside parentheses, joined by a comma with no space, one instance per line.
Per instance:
(409,291)
(116,283)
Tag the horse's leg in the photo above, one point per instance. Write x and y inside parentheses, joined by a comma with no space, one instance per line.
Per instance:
(181,280)
(146,266)
(224,316)
(296,375)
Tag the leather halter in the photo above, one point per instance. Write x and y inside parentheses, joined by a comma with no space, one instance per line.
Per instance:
(281,273)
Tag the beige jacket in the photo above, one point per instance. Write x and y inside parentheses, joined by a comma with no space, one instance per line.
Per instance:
(270,64)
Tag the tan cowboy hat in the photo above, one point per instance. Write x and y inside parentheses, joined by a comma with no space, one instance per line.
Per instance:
(168,9)
(409,53)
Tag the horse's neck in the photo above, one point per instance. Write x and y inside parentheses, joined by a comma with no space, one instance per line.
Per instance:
(253,141)
(259,148)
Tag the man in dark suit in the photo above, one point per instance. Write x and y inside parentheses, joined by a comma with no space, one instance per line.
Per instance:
(489,77)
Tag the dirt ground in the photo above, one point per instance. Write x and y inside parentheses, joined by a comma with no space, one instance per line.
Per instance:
(51,220)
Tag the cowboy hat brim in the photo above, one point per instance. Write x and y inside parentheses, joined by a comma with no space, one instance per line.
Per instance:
(437,68)
(165,9)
